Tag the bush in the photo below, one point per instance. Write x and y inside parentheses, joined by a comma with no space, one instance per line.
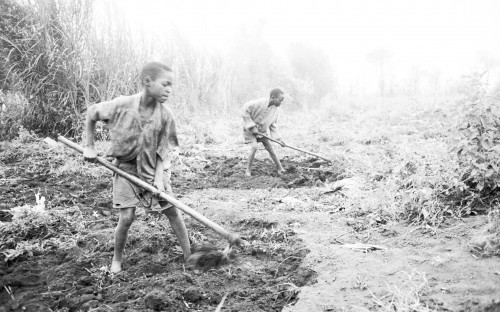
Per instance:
(11,115)
(487,243)
(36,229)
(427,188)
(62,59)
(43,53)
(477,141)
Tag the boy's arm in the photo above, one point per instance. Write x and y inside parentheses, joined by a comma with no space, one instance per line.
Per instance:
(168,141)
(96,112)
(89,152)
(158,181)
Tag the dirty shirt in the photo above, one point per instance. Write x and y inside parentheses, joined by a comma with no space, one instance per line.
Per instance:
(259,113)
(136,143)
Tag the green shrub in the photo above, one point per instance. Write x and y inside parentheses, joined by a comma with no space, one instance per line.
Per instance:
(427,187)
(61,57)
(12,115)
(43,54)
(36,229)
(477,141)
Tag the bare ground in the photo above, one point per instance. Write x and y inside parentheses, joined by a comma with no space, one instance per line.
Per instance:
(311,248)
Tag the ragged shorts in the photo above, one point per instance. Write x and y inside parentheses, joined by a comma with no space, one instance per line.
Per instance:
(251,138)
(128,195)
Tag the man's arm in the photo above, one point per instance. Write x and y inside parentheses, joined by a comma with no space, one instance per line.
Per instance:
(250,125)
(275,133)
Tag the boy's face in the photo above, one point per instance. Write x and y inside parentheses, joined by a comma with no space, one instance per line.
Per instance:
(277,100)
(161,87)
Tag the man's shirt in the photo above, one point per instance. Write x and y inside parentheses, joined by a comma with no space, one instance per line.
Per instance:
(259,113)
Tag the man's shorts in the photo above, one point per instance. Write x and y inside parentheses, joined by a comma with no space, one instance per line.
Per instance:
(128,195)
(251,138)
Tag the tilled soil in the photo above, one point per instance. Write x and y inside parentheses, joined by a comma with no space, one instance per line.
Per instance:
(284,266)
(263,275)
(229,172)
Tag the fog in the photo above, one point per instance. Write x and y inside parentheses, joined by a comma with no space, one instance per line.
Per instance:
(443,39)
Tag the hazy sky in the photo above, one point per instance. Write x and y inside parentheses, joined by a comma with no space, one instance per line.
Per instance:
(433,34)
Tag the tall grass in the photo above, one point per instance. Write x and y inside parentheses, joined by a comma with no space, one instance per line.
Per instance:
(44,58)
(62,57)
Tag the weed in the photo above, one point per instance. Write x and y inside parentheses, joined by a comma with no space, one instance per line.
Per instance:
(488,243)
(33,228)
(406,297)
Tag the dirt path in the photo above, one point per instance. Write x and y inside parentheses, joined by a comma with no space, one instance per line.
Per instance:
(417,270)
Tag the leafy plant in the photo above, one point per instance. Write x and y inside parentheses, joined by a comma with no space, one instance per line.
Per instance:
(405,297)
(36,229)
(477,141)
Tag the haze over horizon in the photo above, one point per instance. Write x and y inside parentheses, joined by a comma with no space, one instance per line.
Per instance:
(445,38)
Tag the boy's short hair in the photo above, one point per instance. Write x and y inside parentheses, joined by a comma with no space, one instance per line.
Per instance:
(276,92)
(153,69)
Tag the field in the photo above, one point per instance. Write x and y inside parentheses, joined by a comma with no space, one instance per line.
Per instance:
(368,232)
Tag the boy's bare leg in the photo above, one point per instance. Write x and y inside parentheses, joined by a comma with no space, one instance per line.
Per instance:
(127,216)
(179,228)
(270,149)
(251,156)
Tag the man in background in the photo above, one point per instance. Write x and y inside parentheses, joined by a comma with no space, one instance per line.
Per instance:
(259,117)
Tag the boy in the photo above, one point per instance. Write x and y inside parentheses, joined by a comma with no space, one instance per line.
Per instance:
(142,132)
(259,116)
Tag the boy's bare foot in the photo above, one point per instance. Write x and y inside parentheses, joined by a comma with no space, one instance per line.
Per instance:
(116,266)
(281,171)
(248,173)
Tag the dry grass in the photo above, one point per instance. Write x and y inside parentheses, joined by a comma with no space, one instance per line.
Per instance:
(34,229)
(404,297)
(63,58)
(487,243)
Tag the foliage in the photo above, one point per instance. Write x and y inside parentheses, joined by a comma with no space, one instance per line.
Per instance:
(477,142)
(256,71)
(43,54)
(313,66)
(35,229)
(487,242)
(11,115)
(61,57)
(406,297)
(427,187)
(380,57)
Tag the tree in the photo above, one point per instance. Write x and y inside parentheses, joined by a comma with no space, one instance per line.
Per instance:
(488,62)
(313,66)
(380,58)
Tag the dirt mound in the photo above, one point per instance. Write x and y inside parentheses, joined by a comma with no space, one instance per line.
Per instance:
(264,275)
(229,172)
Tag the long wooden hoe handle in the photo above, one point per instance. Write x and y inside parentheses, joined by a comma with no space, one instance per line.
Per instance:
(297,149)
(232,237)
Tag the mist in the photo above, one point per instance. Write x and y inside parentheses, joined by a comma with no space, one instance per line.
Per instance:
(424,46)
